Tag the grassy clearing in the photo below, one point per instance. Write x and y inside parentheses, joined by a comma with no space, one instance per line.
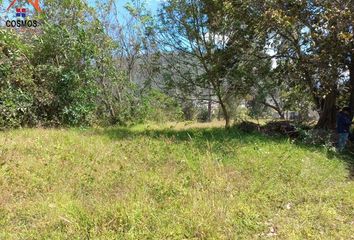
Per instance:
(149,182)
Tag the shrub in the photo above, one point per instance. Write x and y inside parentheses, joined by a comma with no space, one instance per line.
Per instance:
(247,127)
(318,137)
(280,128)
(203,115)
(157,106)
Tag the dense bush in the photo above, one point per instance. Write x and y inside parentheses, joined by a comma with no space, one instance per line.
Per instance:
(17,88)
(203,115)
(69,75)
(157,106)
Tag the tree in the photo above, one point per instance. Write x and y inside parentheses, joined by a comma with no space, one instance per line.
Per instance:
(308,34)
(217,39)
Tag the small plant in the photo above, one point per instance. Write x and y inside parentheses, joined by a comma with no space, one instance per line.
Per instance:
(317,137)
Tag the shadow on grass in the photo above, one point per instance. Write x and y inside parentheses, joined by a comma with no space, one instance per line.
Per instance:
(346,156)
(201,136)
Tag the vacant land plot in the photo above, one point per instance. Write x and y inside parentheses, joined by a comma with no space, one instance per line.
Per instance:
(161,183)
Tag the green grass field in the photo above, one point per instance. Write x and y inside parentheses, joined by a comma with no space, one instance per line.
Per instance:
(150,182)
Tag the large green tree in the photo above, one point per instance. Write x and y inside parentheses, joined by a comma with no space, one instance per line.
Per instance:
(217,38)
(316,37)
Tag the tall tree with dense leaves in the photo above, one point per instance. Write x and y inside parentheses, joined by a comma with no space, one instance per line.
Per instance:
(315,37)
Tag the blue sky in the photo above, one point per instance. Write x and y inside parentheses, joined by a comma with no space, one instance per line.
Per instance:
(150,4)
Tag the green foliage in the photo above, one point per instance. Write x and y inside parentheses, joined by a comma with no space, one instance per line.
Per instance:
(203,114)
(17,88)
(85,66)
(64,61)
(318,137)
(157,106)
(215,44)
(64,75)
(16,108)
(315,40)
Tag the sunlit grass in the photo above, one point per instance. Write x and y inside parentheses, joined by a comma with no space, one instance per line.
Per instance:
(171,182)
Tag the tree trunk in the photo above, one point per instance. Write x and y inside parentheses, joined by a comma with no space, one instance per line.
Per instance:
(314,92)
(351,76)
(277,109)
(209,106)
(209,110)
(226,115)
(328,113)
